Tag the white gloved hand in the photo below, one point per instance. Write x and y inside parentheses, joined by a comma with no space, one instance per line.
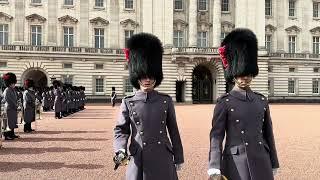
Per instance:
(213,171)
(178,167)
(275,171)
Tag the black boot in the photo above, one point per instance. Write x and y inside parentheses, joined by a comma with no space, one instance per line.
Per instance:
(7,136)
(26,128)
(13,135)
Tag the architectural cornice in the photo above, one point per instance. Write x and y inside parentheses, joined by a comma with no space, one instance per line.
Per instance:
(129,21)
(293,29)
(100,20)
(7,17)
(33,17)
(67,18)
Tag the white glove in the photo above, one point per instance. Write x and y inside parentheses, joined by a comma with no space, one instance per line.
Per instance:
(178,166)
(122,150)
(275,171)
(213,171)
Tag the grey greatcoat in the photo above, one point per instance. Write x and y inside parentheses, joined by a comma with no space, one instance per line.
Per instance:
(45,100)
(10,107)
(249,152)
(146,117)
(29,100)
(57,100)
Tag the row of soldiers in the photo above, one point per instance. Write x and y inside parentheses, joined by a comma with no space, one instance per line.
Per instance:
(64,99)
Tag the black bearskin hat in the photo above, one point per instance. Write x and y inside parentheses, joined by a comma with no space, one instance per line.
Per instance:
(239,53)
(9,78)
(145,58)
(56,84)
(28,83)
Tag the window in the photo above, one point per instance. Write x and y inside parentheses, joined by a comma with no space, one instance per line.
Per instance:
(99,3)
(128,4)
(292,44)
(3,64)
(202,39)
(99,38)
(316,9)
(99,84)
(270,68)
(67,65)
(225,6)
(178,39)
(4,34)
(68,2)
(316,69)
(268,42)
(127,86)
(67,79)
(268,7)
(36,35)
(178,5)
(291,86)
(292,8)
(270,86)
(316,45)
(98,66)
(202,5)
(315,86)
(223,35)
(127,35)
(36,1)
(68,36)
(292,69)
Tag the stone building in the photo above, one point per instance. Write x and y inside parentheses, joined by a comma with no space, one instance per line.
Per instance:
(81,42)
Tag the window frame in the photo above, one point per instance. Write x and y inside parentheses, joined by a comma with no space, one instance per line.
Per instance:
(290,43)
(268,7)
(127,85)
(316,44)
(100,36)
(99,3)
(316,10)
(67,63)
(225,6)
(315,86)
(5,34)
(98,64)
(201,39)
(179,38)
(126,6)
(127,36)
(68,35)
(292,8)
(37,34)
(101,87)
(66,3)
(206,5)
(181,3)
(294,86)
(268,42)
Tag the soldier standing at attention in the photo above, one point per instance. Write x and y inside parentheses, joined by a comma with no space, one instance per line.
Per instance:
(29,100)
(10,106)
(243,116)
(146,116)
(57,99)
(113,96)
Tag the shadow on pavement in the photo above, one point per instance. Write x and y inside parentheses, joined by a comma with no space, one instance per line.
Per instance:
(68,132)
(9,150)
(59,139)
(16,166)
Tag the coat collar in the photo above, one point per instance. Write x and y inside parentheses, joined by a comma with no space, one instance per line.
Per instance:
(144,96)
(244,95)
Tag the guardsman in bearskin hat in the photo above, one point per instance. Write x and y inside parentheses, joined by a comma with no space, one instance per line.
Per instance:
(243,116)
(29,100)
(113,96)
(57,99)
(10,106)
(148,113)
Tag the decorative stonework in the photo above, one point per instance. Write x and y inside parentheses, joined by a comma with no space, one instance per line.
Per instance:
(98,21)
(270,29)
(126,22)
(203,21)
(227,26)
(293,29)
(315,31)
(36,17)
(179,24)
(5,17)
(68,19)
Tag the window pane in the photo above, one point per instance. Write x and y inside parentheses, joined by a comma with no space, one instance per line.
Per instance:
(129,4)
(99,3)
(315,86)
(268,5)
(178,4)
(128,87)
(291,8)
(225,5)
(99,85)
(71,40)
(68,2)
(202,5)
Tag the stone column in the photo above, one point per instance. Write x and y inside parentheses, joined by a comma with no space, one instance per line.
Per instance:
(114,25)
(52,23)
(216,23)
(168,23)
(281,34)
(84,23)
(19,22)
(147,16)
(193,23)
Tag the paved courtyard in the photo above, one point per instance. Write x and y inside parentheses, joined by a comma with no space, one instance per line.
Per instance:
(80,146)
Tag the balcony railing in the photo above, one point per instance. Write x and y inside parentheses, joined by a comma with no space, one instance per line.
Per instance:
(59,49)
(294,55)
(195,50)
